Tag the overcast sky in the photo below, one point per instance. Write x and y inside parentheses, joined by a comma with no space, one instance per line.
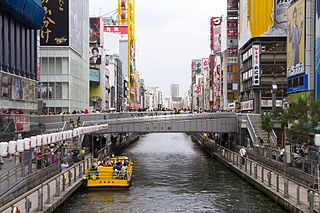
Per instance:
(169,33)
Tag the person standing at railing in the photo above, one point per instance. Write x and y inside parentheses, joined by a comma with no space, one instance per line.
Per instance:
(243,153)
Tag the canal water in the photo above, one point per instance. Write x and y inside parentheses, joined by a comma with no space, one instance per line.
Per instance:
(172,174)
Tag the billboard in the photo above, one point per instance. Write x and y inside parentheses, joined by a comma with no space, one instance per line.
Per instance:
(95,57)
(55,28)
(256,21)
(295,38)
(318,50)
(94,31)
(256,65)
(216,33)
(281,13)
(76,25)
(122,30)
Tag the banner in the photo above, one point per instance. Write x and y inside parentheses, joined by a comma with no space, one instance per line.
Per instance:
(247,105)
(94,31)
(95,57)
(295,38)
(317,50)
(55,28)
(216,33)
(76,25)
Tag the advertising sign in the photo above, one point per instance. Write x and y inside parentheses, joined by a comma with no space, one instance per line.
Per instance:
(94,31)
(76,25)
(232,60)
(55,29)
(5,85)
(122,30)
(295,38)
(95,56)
(256,65)
(318,50)
(255,19)
(268,103)
(247,105)
(193,65)
(232,5)
(205,63)
(17,92)
(198,66)
(281,13)
(216,34)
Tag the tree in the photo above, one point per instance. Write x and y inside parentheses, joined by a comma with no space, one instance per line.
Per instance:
(266,123)
(303,117)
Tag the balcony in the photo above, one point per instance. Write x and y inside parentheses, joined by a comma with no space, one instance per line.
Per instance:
(28,12)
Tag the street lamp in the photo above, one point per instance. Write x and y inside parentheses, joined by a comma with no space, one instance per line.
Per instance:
(274,94)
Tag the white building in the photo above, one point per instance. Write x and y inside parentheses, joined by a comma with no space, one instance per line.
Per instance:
(64,62)
(154,98)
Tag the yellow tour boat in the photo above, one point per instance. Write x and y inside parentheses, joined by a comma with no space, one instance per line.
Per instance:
(111,172)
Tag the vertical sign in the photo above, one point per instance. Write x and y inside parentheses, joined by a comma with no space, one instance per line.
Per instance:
(256,65)
(318,50)
(55,28)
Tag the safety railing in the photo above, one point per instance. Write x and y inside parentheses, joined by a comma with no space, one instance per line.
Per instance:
(35,199)
(251,130)
(298,194)
(273,137)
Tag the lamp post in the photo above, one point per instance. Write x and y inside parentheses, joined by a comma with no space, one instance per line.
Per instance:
(274,94)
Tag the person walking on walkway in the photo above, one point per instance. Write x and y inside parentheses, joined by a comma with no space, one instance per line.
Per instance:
(243,153)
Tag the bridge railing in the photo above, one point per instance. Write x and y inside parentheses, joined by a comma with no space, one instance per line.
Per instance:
(35,199)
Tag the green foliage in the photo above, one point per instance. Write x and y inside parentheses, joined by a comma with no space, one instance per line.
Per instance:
(266,122)
(301,118)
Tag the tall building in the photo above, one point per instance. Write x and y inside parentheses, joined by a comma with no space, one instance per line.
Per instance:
(64,55)
(262,43)
(174,90)
(154,98)
(19,43)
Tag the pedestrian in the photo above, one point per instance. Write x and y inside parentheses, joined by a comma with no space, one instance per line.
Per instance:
(16,158)
(243,153)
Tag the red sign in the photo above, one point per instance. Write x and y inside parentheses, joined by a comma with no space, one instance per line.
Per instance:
(232,24)
(232,33)
(232,50)
(215,29)
(122,30)
(19,122)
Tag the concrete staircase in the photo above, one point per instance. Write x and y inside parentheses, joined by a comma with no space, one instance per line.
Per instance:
(256,124)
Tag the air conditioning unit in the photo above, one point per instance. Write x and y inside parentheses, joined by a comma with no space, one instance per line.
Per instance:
(263,48)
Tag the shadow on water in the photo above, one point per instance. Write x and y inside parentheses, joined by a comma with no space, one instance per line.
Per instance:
(172,174)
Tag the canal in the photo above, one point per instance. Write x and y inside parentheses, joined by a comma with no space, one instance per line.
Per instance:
(172,174)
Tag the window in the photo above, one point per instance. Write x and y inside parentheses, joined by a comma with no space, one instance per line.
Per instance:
(301,81)
(58,90)
(51,66)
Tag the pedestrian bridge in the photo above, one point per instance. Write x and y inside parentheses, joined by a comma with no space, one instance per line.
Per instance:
(203,122)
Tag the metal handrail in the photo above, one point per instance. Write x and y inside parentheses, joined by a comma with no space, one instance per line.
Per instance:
(252,132)
(273,137)
(13,202)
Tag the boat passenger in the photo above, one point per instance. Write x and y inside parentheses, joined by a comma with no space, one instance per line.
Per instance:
(117,167)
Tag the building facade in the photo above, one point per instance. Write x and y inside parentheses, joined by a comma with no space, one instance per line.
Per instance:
(64,80)
(19,43)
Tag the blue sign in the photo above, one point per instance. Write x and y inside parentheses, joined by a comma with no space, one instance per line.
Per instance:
(301,86)
(318,51)
(95,75)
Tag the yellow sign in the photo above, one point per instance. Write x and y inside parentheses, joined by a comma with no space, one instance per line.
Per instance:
(255,19)
(295,38)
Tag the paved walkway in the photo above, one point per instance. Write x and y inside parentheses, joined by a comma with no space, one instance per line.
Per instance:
(296,192)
